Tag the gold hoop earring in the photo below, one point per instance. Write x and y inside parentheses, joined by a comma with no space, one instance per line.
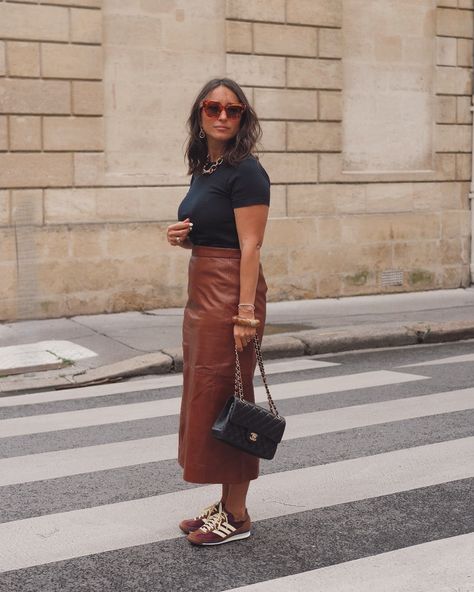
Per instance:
(202,135)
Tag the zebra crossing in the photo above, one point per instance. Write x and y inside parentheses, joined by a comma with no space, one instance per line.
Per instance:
(372,485)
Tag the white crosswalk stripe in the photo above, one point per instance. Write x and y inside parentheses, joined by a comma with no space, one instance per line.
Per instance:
(49,465)
(92,529)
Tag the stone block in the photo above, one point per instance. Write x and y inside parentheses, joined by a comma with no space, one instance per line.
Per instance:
(328,229)
(238,37)
(34,96)
(89,168)
(453,138)
(330,43)
(469,4)
(284,40)
(314,73)
(252,70)
(453,223)
(320,135)
(71,61)
(389,197)
(445,166)
(141,31)
(291,167)
(86,25)
(453,81)
(447,3)
(446,109)
(4,207)
(463,166)
(463,110)
(29,169)
(73,133)
(33,22)
(277,201)
(313,200)
(3,66)
(451,251)
(286,233)
(25,132)
(427,196)
(330,105)
(286,104)
(454,23)
(84,3)
(27,207)
(274,135)
(7,245)
(3,133)
(274,263)
(23,58)
(256,10)
(415,254)
(87,97)
(446,51)
(322,13)
(112,204)
(464,53)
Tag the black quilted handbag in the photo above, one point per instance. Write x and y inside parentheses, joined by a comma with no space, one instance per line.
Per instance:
(247,426)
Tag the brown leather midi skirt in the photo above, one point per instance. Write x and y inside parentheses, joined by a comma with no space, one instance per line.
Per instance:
(209,365)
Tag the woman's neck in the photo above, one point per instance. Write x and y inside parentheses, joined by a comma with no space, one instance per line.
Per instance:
(215,149)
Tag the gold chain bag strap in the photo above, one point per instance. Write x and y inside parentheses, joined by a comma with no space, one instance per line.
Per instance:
(244,424)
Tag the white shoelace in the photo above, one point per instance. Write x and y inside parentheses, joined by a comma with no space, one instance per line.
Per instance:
(209,510)
(214,521)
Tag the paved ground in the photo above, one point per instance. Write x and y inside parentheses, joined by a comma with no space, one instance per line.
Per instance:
(371,489)
(111,346)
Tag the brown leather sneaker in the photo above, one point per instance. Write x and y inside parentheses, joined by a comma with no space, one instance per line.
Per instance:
(221,528)
(193,524)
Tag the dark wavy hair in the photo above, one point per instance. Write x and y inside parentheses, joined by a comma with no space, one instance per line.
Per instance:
(239,147)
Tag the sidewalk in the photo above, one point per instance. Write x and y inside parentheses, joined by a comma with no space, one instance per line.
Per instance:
(93,349)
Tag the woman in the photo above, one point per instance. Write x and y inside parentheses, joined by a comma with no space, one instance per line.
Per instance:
(222,219)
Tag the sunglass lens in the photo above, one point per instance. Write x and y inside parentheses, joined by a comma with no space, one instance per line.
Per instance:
(212,109)
(234,111)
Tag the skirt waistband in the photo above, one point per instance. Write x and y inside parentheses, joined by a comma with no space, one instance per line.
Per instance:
(203,251)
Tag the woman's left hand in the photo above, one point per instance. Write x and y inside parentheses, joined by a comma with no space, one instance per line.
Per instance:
(243,336)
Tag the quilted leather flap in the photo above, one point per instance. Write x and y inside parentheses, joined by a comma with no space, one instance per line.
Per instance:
(257,419)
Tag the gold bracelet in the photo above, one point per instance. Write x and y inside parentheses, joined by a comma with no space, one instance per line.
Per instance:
(245,322)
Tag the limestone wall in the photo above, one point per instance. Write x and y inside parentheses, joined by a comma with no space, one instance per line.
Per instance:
(365,106)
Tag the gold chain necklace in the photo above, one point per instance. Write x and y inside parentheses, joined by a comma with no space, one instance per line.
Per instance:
(210,167)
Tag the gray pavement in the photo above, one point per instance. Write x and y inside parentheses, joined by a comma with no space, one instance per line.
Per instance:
(149,342)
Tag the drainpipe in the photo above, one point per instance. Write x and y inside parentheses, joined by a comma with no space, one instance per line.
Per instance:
(471,189)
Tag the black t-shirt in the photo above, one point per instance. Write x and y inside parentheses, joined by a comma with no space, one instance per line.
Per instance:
(211,199)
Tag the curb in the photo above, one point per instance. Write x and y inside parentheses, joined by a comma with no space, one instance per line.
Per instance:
(285,345)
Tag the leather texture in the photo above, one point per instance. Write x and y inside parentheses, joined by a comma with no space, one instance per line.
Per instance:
(249,427)
(209,366)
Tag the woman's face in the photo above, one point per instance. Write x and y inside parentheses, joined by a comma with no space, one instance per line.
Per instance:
(221,129)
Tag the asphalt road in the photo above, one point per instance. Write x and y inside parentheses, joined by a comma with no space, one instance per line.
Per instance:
(372,488)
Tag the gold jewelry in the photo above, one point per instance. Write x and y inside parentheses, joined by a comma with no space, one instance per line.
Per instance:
(245,322)
(210,167)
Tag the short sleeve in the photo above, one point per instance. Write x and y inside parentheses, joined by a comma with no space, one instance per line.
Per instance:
(249,184)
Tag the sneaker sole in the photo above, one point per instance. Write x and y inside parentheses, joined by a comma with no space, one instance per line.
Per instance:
(237,537)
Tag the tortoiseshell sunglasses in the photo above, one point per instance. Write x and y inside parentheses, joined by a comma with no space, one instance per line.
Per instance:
(214,109)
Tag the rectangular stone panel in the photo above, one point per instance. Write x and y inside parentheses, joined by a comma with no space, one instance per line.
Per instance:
(34,96)
(25,22)
(35,169)
(256,10)
(286,104)
(388,98)
(284,40)
(323,13)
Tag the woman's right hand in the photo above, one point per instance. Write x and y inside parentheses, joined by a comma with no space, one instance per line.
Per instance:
(178,233)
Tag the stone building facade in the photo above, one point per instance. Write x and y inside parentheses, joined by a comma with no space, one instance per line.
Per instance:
(367,119)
